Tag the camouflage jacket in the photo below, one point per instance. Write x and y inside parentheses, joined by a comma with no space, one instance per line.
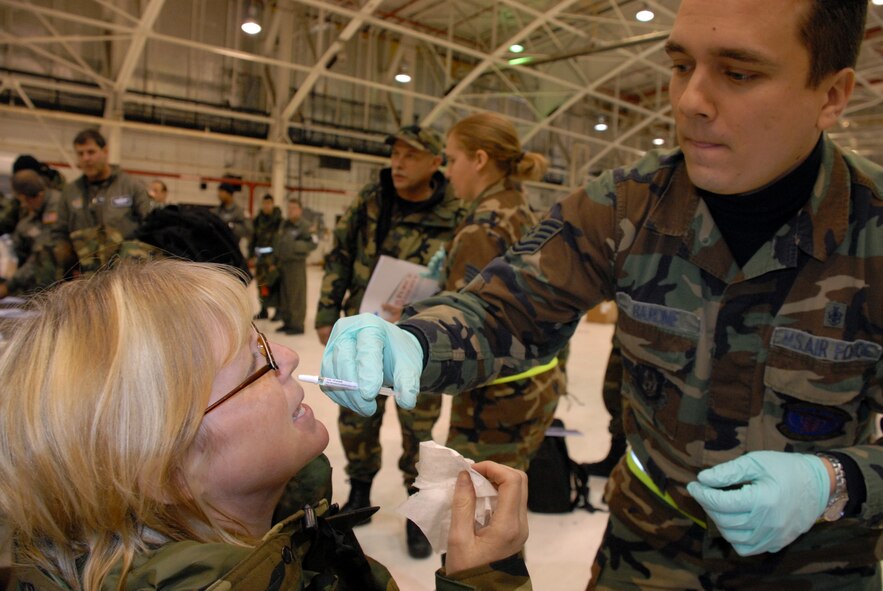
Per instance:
(119,202)
(312,550)
(265,227)
(294,241)
(782,354)
(43,258)
(234,216)
(494,221)
(413,237)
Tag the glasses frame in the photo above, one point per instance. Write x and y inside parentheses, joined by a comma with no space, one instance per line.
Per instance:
(264,348)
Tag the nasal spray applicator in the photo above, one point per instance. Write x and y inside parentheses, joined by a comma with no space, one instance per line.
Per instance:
(336,384)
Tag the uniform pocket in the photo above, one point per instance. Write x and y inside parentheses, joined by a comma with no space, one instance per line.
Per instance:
(659,352)
(813,390)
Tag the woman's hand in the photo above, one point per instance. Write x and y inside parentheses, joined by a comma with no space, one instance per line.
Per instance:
(503,536)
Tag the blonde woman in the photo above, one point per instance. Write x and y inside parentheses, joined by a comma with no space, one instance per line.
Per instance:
(505,421)
(148,431)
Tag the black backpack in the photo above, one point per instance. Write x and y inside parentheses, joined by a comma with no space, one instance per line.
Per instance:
(556,483)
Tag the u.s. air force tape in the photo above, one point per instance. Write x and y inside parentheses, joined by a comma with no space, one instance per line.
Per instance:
(534,240)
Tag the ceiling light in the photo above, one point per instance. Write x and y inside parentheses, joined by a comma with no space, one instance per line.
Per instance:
(601,124)
(518,61)
(403,77)
(251,25)
(645,15)
(877,2)
(659,141)
(518,48)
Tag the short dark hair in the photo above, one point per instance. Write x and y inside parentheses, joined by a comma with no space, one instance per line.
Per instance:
(28,183)
(268,197)
(90,134)
(833,31)
(295,200)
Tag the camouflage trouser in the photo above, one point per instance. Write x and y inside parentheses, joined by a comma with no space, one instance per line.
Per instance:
(293,293)
(649,545)
(612,391)
(506,423)
(267,278)
(361,437)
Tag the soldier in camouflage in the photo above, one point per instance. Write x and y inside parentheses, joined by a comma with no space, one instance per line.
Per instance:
(43,259)
(407,215)
(101,209)
(129,459)
(260,250)
(504,422)
(747,271)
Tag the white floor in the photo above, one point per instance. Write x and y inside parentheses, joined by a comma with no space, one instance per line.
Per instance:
(560,548)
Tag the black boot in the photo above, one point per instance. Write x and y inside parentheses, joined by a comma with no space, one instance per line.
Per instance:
(360,497)
(605,466)
(418,545)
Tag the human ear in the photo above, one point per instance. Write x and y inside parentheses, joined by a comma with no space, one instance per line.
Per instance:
(839,88)
(481,159)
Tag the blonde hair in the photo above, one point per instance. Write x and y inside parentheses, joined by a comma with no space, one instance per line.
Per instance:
(103,394)
(497,136)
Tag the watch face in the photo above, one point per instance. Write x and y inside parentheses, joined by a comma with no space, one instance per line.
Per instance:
(835,511)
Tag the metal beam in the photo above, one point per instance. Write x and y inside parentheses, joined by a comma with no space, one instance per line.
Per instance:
(139,38)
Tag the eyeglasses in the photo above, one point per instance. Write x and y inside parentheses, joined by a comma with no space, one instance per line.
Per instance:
(264,347)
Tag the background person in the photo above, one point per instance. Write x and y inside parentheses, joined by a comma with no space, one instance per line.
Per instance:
(231,212)
(159,192)
(146,472)
(294,241)
(260,249)
(485,163)
(407,214)
(745,270)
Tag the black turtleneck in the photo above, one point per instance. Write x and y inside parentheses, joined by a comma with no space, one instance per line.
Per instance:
(748,220)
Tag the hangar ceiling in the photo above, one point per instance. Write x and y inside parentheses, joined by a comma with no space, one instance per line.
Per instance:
(322,72)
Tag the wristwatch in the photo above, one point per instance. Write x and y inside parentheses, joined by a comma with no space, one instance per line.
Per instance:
(837,503)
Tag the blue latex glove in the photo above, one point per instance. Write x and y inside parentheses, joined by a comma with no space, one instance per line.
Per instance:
(436,265)
(782,495)
(372,352)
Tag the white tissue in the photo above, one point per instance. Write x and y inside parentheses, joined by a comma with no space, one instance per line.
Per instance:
(430,507)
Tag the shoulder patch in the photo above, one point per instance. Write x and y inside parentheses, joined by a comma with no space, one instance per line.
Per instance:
(534,240)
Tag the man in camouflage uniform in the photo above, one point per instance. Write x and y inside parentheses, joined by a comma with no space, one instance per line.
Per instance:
(231,212)
(42,259)
(747,271)
(294,241)
(407,215)
(266,223)
(103,208)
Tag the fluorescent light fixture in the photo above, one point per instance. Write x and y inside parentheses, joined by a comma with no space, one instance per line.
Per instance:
(518,61)
(601,124)
(658,141)
(645,15)
(518,48)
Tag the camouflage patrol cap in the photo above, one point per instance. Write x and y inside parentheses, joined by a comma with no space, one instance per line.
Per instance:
(422,138)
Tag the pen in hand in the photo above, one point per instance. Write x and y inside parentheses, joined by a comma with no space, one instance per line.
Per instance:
(336,384)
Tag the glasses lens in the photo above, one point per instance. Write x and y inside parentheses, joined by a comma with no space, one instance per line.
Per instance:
(266,351)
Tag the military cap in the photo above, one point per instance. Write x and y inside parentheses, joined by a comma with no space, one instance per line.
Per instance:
(422,138)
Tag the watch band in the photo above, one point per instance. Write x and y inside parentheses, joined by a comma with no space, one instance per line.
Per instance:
(838,499)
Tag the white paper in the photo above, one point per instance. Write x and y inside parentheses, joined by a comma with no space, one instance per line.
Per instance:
(430,507)
(398,283)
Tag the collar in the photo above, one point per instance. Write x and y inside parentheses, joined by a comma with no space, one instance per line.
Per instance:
(817,229)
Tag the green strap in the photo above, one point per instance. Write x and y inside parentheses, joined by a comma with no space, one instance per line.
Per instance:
(534,371)
(638,470)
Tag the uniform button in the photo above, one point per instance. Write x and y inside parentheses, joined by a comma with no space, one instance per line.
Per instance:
(287,556)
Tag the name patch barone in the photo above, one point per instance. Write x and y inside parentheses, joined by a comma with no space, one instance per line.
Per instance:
(825,348)
(673,319)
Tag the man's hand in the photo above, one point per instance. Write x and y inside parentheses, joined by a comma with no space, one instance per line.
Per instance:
(772,498)
(503,536)
(372,352)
